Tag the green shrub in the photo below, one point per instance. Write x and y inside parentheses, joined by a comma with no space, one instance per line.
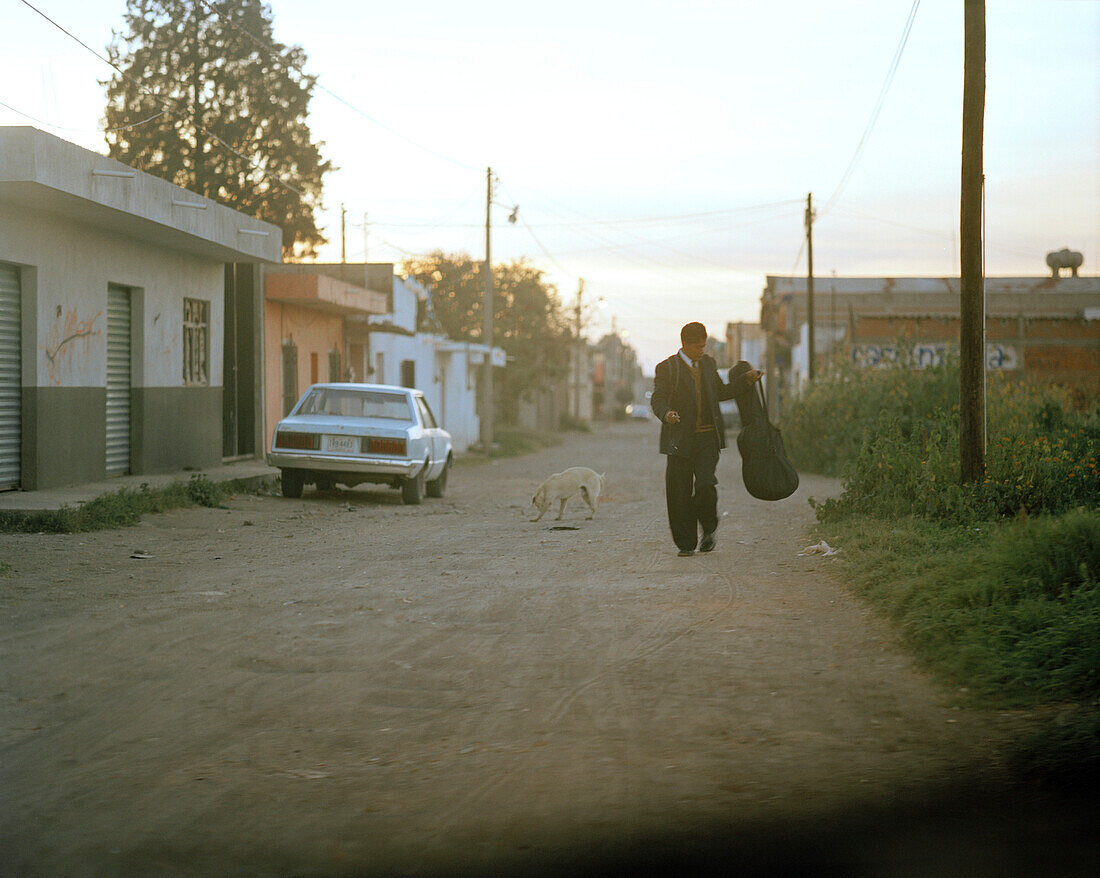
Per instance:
(204,492)
(893,434)
(824,429)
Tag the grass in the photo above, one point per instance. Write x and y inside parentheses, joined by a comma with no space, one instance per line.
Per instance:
(119,508)
(994,585)
(1009,610)
(1006,612)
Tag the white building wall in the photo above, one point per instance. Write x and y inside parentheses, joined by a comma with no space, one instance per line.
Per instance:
(67,302)
(406,293)
(445,370)
(752,352)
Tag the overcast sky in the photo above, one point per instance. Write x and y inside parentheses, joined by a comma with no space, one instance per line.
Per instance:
(660,149)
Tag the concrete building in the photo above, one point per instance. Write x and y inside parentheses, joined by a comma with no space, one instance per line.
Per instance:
(616,376)
(745,341)
(112,301)
(358,322)
(305,337)
(1042,327)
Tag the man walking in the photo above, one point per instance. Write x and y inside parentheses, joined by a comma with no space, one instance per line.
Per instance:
(686,393)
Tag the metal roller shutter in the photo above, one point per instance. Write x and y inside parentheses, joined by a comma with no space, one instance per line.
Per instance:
(118,380)
(11,378)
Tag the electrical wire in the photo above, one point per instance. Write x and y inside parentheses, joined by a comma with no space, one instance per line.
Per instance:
(887,82)
(649,242)
(273,54)
(630,220)
(170,105)
(85,130)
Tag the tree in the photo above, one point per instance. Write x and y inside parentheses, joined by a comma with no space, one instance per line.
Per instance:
(528,319)
(209,101)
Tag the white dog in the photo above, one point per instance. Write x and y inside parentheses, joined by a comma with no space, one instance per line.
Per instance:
(561,486)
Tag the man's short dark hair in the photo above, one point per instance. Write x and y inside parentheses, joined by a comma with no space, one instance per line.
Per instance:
(693,332)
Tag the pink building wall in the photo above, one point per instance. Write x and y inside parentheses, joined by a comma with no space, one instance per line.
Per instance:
(316,334)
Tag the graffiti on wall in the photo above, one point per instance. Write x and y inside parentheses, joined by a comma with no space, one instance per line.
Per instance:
(68,344)
(998,357)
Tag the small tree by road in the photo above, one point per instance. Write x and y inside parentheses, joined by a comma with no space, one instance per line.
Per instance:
(528,320)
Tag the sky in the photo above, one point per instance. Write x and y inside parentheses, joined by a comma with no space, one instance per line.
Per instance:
(660,150)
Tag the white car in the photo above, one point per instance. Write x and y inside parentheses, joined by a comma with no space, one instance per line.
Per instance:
(353,433)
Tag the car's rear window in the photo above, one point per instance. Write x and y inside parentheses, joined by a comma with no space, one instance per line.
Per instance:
(356,404)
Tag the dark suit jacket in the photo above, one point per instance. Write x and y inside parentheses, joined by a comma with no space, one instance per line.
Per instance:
(674,389)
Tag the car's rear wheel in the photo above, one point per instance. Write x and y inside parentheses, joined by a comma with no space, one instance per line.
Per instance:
(292,482)
(412,488)
(436,487)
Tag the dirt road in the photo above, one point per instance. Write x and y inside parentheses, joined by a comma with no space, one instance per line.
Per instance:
(344,684)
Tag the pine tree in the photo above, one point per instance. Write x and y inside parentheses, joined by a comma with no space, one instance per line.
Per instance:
(211,102)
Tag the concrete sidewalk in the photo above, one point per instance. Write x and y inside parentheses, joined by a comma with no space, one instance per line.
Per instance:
(253,473)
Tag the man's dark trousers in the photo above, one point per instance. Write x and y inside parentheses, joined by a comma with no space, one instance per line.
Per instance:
(691,490)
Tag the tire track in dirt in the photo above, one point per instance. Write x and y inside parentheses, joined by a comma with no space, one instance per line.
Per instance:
(401,686)
(663,634)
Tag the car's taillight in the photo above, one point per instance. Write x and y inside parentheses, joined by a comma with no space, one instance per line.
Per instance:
(305,441)
(374,445)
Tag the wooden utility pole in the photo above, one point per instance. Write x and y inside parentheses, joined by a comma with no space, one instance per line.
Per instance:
(810,286)
(578,355)
(487,325)
(971,273)
(343,234)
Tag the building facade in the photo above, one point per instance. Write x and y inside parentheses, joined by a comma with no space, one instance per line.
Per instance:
(616,377)
(112,299)
(305,337)
(358,322)
(1041,327)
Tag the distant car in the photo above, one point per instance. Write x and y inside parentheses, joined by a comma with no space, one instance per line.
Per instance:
(353,433)
(640,411)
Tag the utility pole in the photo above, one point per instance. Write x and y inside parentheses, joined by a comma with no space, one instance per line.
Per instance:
(343,234)
(577,307)
(365,236)
(578,356)
(810,286)
(971,271)
(487,328)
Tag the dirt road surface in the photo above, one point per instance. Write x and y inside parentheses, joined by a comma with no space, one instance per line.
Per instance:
(344,685)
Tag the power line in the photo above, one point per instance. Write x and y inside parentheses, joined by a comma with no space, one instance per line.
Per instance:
(273,54)
(169,105)
(649,242)
(85,130)
(694,234)
(628,220)
(887,82)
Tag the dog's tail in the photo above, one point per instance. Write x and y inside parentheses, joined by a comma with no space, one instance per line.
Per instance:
(602,475)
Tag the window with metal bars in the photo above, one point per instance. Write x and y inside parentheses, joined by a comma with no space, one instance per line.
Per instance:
(196,341)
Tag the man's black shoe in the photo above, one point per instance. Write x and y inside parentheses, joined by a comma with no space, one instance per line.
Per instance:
(707,545)
(686,553)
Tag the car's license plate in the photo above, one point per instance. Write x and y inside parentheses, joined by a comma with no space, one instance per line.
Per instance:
(343,443)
